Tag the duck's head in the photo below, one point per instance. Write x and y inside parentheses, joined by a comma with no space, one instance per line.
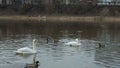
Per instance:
(37,62)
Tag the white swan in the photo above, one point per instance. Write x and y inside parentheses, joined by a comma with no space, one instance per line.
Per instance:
(26,50)
(73,43)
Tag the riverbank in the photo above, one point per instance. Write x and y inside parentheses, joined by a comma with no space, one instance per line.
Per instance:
(94,19)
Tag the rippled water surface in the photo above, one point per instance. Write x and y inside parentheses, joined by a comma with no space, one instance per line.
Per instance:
(51,49)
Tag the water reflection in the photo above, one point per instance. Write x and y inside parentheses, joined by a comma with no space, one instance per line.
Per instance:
(34,64)
(108,57)
(52,53)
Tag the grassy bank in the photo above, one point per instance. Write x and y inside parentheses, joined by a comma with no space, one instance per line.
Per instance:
(94,19)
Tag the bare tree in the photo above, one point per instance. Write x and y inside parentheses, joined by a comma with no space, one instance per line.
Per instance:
(4,3)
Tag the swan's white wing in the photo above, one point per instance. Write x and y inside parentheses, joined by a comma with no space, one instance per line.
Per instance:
(73,43)
(25,50)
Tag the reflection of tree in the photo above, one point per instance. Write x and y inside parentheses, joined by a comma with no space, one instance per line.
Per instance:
(115,33)
(104,35)
(109,34)
(4,3)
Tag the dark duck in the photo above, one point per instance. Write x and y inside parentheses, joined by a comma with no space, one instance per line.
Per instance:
(34,65)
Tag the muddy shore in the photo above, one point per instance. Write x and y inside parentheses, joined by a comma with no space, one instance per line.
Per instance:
(94,19)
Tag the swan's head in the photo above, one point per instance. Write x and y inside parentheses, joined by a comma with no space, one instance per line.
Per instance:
(76,40)
(34,40)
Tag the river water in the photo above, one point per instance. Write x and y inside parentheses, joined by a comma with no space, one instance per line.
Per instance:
(51,49)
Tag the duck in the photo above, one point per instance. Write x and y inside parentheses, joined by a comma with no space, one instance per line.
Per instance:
(100,45)
(27,50)
(73,43)
(34,65)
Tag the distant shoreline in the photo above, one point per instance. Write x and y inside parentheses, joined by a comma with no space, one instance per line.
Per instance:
(94,19)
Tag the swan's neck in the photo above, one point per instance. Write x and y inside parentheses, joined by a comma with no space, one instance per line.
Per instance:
(34,46)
